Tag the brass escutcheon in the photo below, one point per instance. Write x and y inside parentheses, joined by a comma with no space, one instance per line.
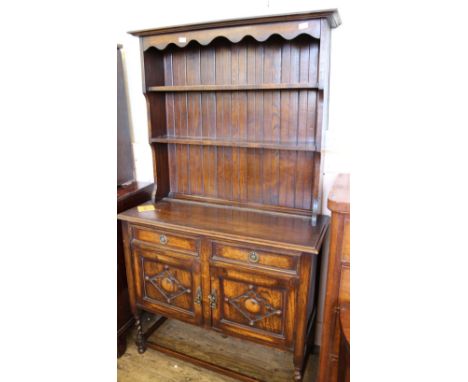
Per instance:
(163,239)
(253,257)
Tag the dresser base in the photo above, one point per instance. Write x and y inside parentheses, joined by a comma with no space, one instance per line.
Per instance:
(186,261)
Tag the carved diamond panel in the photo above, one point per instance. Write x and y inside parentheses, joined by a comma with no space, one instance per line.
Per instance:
(252,306)
(167,284)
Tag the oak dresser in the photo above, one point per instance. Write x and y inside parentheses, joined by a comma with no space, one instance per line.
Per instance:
(231,240)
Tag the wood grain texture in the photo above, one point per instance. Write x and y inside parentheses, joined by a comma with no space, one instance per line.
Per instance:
(229,120)
(275,299)
(166,240)
(167,283)
(254,257)
(256,227)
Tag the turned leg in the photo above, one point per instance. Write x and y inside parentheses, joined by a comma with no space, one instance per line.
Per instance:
(297,374)
(140,339)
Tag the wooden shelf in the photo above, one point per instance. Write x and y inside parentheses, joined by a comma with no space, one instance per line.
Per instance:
(235,143)
(212,88)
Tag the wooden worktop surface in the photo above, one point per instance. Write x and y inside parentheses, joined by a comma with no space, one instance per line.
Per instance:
(291,232)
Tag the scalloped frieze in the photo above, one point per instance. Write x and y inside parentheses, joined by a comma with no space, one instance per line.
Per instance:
(288,31)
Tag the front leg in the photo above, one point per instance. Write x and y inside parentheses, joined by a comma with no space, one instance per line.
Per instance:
(297,374)
(140,338)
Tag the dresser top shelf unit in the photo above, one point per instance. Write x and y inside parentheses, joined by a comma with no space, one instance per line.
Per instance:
(236,110)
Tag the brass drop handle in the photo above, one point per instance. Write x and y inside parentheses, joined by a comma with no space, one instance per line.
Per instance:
(254,257)
(163,239)
(212,299)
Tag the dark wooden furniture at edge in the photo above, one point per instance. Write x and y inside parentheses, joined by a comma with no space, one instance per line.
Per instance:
(335,344)
(232,238)
(128,196)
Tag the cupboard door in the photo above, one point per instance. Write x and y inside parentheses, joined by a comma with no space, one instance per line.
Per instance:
(260,307)
(168,283)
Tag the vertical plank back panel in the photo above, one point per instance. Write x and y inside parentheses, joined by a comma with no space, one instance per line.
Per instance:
(208,102)
(245,176)
(181,126)
(170,119)
(194,121)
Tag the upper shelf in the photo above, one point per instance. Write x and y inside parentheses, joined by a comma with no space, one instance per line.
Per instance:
(211,88)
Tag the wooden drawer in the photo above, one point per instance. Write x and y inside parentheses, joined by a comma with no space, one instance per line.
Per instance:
(254,256)
(165,239)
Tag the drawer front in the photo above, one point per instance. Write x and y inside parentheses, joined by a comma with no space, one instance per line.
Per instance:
(252,305)
(254,257)
(165,239)
(168,283)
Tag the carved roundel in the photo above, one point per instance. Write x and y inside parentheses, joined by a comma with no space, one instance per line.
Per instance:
(168,285)
(252,305)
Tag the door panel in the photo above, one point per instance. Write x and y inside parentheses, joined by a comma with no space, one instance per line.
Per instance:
(251,305)
(168,283)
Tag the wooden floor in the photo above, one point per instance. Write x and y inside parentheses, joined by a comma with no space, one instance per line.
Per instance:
(258,361)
